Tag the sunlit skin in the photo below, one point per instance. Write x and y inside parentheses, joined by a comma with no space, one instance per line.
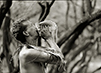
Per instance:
(32,58)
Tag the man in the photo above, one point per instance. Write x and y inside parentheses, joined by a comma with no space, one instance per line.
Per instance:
(33,57)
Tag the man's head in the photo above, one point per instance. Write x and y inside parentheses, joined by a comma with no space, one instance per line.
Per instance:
(29,33)
(24,31)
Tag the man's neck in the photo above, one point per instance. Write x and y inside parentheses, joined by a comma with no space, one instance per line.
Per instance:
(33,44)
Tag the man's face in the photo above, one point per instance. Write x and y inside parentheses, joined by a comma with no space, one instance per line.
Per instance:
(32,34)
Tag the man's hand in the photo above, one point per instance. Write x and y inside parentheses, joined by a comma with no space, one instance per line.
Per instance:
(62,66)
(45,33)
(46,28)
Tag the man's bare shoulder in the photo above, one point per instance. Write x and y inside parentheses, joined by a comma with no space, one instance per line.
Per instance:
(28,54)
(26,51)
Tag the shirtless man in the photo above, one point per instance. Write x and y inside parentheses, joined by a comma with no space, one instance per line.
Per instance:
(33,57)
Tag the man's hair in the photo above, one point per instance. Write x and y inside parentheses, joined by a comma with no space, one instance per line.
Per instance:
(17,30)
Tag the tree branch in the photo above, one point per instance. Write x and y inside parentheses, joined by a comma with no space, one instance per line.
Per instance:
(94,5)
(79,49)
(68,45)
(4,9)
(75,65)
(52,3)
(6,42)
(97,70)
(79,27)
(45,11)
(67,14)
(74,7)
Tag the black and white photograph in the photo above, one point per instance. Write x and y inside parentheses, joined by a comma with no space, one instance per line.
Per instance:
(50,36)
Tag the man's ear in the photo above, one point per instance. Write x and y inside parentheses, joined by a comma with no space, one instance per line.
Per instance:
(26,33)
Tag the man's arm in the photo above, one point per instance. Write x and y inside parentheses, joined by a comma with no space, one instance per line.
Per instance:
(46,34)
(30,55)
(52,44)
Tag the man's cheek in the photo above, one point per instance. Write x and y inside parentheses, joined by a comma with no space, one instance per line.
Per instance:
(34,34)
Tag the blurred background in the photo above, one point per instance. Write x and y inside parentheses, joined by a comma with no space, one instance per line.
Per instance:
(79,32)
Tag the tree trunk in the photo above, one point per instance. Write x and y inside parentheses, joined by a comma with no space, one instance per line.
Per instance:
(4,9)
